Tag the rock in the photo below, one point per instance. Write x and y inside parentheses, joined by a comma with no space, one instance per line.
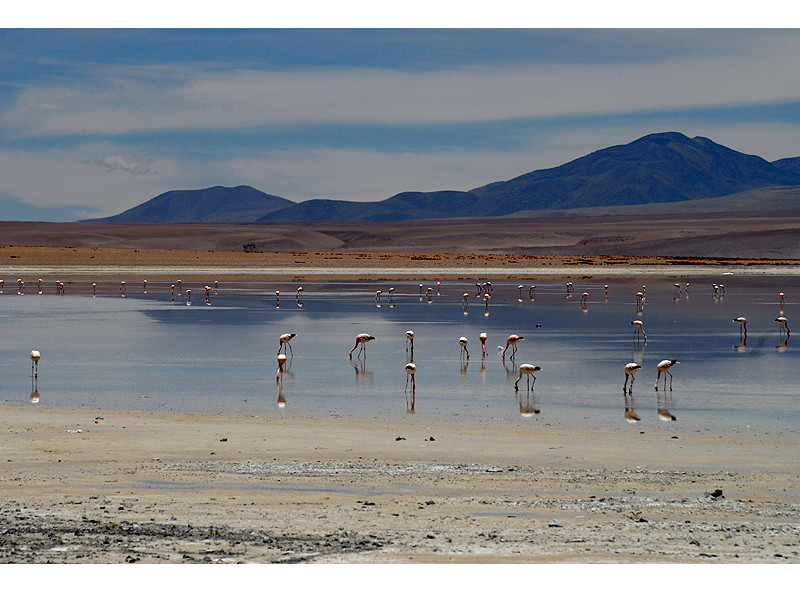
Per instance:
(554,524)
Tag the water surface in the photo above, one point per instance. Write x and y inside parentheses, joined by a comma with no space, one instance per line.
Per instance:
(145,351)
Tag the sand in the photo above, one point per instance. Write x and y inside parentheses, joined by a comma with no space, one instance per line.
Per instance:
(103,486)
(78,486)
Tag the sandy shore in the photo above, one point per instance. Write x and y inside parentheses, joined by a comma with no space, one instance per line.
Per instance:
(128,264)
(89,486)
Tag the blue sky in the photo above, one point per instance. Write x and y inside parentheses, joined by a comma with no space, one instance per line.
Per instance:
(95,121)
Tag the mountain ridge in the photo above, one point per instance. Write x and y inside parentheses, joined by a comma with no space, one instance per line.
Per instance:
(656,168)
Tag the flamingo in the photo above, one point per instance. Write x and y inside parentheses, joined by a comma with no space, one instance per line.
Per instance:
(173,292)
(464,303)
(482,337)
(677,290)
(742,325)
(391,294)
(532,292)
(664,366)
(630,369)
(361,339)
(122,289)
(410,341)
(281,364)
(188,297)
(299,292)
(35,357)
(20,286)
(378,297)
(462,341)
(94,289)
(606,290)
(284,341)
(144,286)
(784,324)
(528,370)
(411,369)
(520,287)
(39,286)
(512,340)
(639,298)
(584,296)
(638,327)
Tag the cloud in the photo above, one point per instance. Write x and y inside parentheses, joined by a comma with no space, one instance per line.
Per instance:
(139,99)
(137,164)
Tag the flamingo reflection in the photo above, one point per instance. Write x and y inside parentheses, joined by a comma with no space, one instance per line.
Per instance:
(630,414)
(663,405)
(527,406)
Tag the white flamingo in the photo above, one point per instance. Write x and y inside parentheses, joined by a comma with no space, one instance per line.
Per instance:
(630,369)
(462,341)
(638,327)
(663,367)
(528,370)
(512,341)
(284,341)
(742,325)
(361,339)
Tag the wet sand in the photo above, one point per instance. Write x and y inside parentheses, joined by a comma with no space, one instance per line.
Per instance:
(99,486)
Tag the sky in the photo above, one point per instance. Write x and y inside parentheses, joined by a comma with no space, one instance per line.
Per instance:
(94,121)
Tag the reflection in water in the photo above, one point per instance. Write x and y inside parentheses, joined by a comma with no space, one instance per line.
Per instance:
(411,370)
(630,410)
(783,345)
(281,395)
(663,405)
(363,377)
(527,404)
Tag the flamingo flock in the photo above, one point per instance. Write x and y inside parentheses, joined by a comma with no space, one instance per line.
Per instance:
(484,292)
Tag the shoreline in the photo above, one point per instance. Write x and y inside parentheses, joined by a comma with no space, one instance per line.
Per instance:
(94,486)
(236,266)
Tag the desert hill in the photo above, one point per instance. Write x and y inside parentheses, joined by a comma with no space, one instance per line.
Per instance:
(215,204)
(658,168)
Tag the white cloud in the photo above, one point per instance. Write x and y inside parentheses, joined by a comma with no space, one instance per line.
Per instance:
(139,99)
(72,177)
(136,164)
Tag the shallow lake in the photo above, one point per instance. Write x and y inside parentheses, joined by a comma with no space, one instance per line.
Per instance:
(144,351)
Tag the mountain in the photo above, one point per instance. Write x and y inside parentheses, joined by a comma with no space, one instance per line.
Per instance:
(657,168)
(663,167)
(215,204)
(791,165)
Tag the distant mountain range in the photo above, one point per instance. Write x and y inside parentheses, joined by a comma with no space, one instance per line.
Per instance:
(658,168)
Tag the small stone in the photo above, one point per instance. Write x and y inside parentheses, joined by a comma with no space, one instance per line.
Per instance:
(399,438)
(554,524)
